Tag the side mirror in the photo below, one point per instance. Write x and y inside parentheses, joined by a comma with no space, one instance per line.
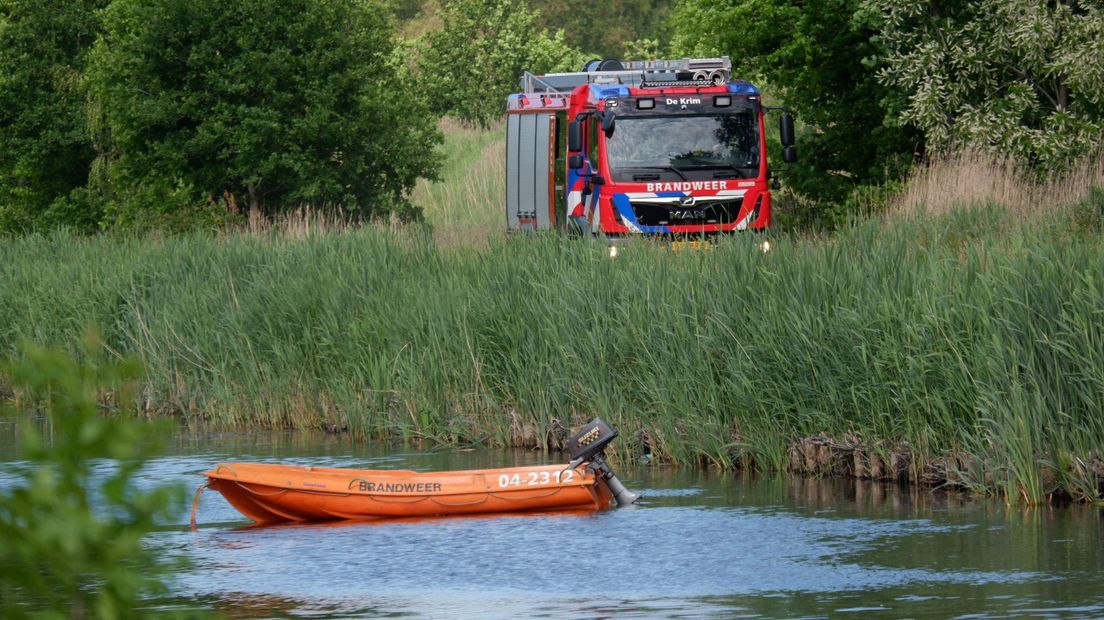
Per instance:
(575,162)
(574,136)
(608,122)
(786,129)
(789,154)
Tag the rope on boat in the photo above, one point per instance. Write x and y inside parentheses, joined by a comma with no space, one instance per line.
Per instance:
(222,466)
(195,504)
(496,496)
(278,492)
(395,499)
(322,493)
(549,494)
(475,503)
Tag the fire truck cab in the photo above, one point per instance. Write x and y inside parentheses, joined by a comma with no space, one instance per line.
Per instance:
(650,147)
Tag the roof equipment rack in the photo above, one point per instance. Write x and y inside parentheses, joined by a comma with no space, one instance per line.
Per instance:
(636,73)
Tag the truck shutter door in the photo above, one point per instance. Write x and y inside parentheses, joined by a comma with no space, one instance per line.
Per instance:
(529,178)
(513,129)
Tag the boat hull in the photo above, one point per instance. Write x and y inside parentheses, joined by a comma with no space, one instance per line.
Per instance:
(269,493)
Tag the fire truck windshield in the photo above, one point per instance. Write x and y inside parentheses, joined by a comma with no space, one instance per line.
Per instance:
(685,146)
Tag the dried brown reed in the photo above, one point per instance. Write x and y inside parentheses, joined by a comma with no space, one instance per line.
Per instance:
(974,176)
(302,223)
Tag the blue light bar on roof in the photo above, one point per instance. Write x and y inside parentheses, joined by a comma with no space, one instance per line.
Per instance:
(742,88)
(604,91)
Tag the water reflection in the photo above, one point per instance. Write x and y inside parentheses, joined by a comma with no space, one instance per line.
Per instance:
(699,545)
(654,560)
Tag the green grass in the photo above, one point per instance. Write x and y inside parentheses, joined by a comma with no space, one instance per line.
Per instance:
(975,350)
(465,207)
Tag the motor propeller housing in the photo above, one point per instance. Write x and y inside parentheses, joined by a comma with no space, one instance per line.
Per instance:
(588,446)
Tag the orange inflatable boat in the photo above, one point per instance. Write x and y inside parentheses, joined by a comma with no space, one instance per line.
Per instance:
(277,493)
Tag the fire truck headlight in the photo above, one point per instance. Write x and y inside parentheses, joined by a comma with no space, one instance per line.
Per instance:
(722,101)
(613,251)
(645,104)
(765,246)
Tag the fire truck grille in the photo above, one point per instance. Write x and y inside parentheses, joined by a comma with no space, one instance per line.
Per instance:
(676,215)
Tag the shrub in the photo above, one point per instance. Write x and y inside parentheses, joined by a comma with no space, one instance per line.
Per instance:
(62,558)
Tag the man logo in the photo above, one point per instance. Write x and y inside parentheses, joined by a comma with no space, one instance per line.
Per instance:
(687,215)
(688,201)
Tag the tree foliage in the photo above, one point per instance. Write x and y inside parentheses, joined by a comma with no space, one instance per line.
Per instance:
(62,558)
(473,62)
(45,148)
(404,10)
(274,105)
(1021,77)
(604,28)
(814,56)
(643,49)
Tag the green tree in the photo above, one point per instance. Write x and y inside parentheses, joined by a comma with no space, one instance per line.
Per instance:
(605,28)
(404,10)
(1021,77)
(643,49)
(45,147)
(818,55)
(251,102)
(61,557)
(473,62)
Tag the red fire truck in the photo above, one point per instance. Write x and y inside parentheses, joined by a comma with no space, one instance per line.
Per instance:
(652,147)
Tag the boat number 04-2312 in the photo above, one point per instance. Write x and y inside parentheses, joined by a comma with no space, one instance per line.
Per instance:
(535,478)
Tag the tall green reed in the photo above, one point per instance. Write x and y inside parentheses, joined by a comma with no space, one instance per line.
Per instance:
(945,337)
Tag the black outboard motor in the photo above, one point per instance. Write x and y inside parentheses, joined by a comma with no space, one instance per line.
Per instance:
(589,445)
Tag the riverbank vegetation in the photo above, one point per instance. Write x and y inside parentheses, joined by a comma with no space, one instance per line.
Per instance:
(300,226)
(962,347)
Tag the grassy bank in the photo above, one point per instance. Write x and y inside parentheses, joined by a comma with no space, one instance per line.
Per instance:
(954,348)
(465,206)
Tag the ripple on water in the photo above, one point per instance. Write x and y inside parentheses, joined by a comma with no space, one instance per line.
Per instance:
(697,547)
(648,555)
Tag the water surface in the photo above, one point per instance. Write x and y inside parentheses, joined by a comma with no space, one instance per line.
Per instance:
(698,545)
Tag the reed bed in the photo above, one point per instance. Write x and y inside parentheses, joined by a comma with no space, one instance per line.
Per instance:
(939,350)
(977,177)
